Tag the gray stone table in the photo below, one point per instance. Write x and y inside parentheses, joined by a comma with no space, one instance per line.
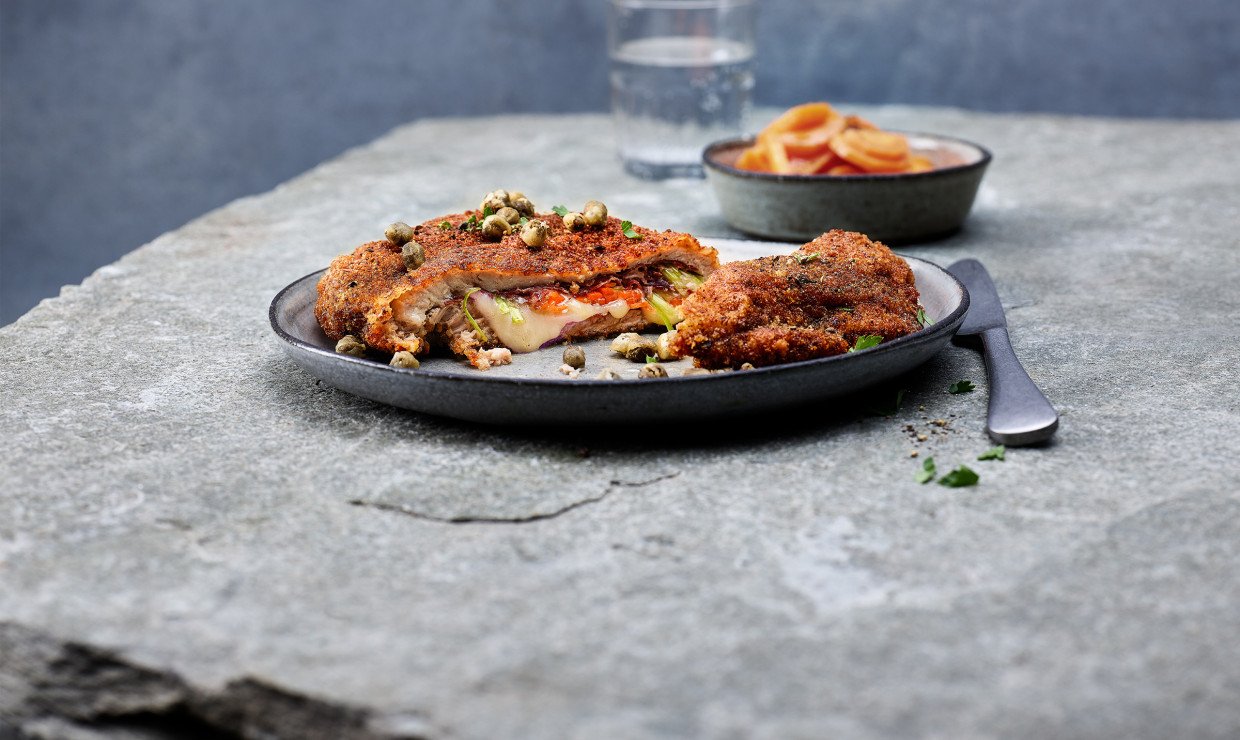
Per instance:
(197,537)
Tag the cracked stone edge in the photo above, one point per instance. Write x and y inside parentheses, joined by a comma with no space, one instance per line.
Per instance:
(522,519)
(55,688)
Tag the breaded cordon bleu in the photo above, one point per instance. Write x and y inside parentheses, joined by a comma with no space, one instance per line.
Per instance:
(486,283)
(818,301)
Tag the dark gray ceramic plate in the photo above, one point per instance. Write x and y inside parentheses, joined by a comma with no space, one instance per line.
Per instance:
(894,208)
(532,391)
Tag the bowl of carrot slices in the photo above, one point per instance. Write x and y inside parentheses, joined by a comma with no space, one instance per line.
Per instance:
(813,169)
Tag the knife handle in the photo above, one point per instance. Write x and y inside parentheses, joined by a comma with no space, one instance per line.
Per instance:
(1019,414)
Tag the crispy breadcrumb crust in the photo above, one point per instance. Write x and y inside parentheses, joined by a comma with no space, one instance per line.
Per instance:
(813,303)
(356,294)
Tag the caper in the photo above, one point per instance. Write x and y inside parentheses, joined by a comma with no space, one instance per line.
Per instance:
(689,371)
(607,374)
(747,366)
(574,221)
(574,356)
(595,213)
(398,233)
(509,214)
(514,194)
(413,255)
(663,346)
(494,228)
(634,347)
(405,360)
(523,205)
(534,233)
(351,345)
(495,200)
(652,370)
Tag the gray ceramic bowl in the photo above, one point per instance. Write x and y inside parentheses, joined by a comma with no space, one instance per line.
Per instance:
(895,208)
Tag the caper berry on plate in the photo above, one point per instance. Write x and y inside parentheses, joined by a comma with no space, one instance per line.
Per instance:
(634,347)
(534,233)
(405,360)
(574,356)
(595,213)
(574,221)
(351,345)
(663,346)
(494,228)
(509,214)
(398,233)
(523,205)
(413,255)
(495,200)
(652,370)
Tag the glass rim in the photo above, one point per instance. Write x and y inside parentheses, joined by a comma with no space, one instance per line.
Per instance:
(679,4)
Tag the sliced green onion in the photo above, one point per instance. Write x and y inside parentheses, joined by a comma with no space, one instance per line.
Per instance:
(683,282)
(666,311)
(512,312)
(482,335)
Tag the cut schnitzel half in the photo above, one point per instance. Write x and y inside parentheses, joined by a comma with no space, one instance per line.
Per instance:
(479,297)
(818,301)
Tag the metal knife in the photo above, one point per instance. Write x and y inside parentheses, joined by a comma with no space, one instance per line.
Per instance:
(1019,414)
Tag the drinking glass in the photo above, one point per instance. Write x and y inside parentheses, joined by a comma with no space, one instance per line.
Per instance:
(681,77)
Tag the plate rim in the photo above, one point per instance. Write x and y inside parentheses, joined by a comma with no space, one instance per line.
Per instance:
(927,333)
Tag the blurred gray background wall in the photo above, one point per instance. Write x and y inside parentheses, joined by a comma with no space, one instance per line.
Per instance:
(121,119)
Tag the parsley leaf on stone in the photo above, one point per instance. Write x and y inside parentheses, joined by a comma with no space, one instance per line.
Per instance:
(926,474)
(960,386)
(560,211)
(994,453)
(959,478)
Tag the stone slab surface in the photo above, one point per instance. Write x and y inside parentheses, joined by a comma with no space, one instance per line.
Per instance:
(195,536)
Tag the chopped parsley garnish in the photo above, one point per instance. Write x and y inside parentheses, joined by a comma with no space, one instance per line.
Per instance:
(487,211)
(865,341)
(803,258)
(524,221)
(626,228)
(651,359)
(959,478)
(482,335)
(922,318)
(470,224)
(960,386)
(926,474)
(445,225)
(560,211)
(994,453)
(844,309)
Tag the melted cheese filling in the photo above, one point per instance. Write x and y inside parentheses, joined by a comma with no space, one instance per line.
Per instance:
(534,329)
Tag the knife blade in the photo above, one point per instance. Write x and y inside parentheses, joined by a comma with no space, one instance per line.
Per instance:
(1019,413)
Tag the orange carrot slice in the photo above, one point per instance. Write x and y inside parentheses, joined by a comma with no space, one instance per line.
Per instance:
(872,151)
(918,163)
(844,169)
(775,152)
(802,117)
(754,160)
